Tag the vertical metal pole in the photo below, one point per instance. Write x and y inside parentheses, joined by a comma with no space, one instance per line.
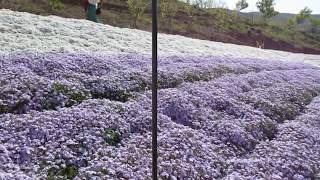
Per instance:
(154,88)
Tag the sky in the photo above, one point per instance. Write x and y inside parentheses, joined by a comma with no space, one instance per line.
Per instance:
(283,6)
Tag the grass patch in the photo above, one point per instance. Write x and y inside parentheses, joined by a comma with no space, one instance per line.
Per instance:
(75,97)
(111,137)
(68,172)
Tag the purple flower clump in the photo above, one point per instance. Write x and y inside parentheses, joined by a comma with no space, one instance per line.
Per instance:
(81,116)
(49,81)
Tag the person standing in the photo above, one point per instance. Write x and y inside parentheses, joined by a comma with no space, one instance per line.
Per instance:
(98,11)
(91,7)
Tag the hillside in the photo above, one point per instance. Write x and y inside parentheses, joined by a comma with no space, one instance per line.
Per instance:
(75,98)
(75,104)
(204,24)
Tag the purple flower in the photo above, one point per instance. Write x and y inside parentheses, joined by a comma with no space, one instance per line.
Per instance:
(88,116)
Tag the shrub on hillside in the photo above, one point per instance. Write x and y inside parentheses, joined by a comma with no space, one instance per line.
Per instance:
(137,8)
(56,4)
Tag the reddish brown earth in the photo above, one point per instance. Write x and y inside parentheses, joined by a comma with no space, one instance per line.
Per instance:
(206,32)
(246,39)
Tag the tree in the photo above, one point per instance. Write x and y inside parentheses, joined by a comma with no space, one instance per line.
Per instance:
(137,8)
(242,4)
(266,7)
(55,4)
(304,14)
(168,9)
(199,3)
(188,8)
(315,25)
(220,4)
(291,23)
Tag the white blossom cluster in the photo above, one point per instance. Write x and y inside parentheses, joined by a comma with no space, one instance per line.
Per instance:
(24,32)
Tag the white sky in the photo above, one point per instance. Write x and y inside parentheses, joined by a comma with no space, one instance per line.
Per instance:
(283,6)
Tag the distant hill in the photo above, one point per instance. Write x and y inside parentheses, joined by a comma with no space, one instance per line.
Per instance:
(280,18)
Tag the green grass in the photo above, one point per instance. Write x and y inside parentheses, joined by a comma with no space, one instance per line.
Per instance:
(111,137)
(68,172)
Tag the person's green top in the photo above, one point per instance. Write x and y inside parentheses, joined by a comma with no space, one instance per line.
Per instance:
(91,13)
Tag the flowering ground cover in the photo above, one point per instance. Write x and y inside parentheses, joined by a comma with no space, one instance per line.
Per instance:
(48,81)
(25,32)
(88,116)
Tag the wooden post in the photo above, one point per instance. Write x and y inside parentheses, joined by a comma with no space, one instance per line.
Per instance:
(154,88)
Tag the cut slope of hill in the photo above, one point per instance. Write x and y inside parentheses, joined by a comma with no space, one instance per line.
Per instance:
(203,24)
(24,32)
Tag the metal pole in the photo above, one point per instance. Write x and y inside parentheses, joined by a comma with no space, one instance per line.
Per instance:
(154,88)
